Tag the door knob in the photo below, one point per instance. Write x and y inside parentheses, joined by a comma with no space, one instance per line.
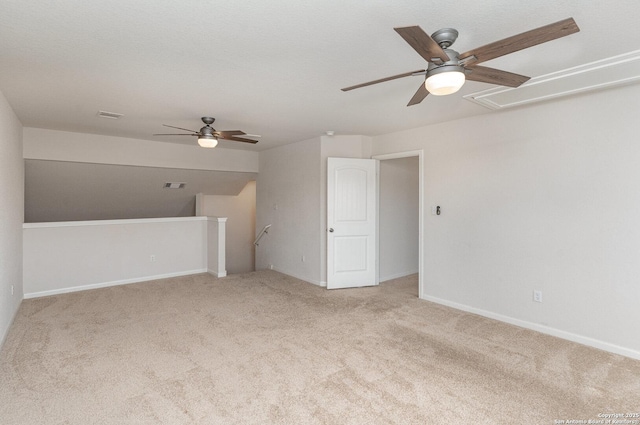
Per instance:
(331,229)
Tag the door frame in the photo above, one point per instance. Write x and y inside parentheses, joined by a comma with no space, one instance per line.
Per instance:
(406,154)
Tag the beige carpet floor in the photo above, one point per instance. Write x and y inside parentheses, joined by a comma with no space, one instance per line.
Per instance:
(264,348)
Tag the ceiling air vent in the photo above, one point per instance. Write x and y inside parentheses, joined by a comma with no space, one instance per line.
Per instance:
(110,115)
(174,185)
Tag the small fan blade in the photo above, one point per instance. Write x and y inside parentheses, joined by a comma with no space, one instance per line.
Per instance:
(382,80)
(422,43)
(240,139)
(230,133)
(180,128)
(495,76)
(181,134)
(523,41)
(419,96)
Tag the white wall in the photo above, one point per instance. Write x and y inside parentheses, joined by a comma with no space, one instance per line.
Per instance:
(398,217)
(80,147)
(240,211)
(292,197)
(11,215)
(72,256)
(288,198)
(544,197)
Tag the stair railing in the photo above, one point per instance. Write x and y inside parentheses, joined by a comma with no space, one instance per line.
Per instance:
(264,231)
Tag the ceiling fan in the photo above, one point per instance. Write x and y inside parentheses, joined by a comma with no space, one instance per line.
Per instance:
(447,69)
(208,136)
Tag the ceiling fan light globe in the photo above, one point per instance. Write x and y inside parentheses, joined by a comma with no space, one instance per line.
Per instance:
(208,142)
(444,83)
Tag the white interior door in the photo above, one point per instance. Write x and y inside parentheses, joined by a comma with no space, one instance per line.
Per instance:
(351,222)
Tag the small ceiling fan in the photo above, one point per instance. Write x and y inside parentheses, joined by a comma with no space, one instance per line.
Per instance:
(447,69)
(208,136)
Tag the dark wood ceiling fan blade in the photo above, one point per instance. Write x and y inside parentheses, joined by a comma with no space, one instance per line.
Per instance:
(181,134)
(180,128)
(419,95)
(229,133)
(240,139)
(523,40)
(422,43)
(484,74)
(382,80)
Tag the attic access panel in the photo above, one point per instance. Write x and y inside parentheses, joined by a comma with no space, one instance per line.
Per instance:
(606,73)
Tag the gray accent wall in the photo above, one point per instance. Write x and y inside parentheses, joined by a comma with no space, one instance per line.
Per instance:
(77,191)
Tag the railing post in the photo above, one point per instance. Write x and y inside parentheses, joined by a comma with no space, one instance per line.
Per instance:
(216,246)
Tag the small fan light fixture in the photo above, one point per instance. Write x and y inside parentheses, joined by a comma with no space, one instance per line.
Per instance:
(208,136)
(207,141)
(445,80)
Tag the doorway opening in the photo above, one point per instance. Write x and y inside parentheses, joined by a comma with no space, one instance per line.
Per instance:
(400,216)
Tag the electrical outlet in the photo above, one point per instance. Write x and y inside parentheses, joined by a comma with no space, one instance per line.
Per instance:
(271,266)
(12,289)
(152,258)
(537,296)
(303,259)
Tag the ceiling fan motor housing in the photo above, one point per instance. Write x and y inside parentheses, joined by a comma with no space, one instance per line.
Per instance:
(206,131)
(453,64)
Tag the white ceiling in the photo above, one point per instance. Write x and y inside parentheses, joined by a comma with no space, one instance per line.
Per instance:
(273,67)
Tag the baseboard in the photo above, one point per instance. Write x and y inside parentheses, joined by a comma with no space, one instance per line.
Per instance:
(398,275)
(612,348)
(315,282)
(111,283)
(216,274)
